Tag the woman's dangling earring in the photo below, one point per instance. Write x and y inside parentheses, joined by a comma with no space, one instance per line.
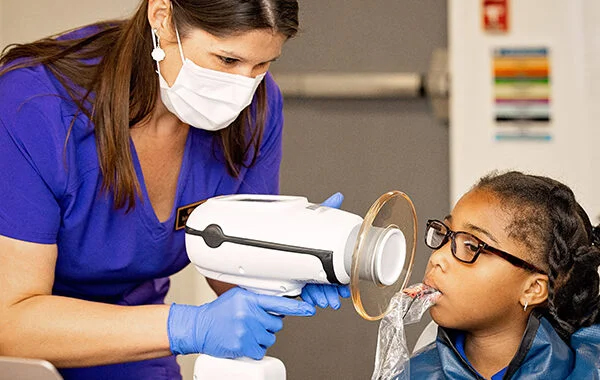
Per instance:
(158,54)
(525,307)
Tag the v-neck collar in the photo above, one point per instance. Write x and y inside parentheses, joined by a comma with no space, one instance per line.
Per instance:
(449,336)
(147,213)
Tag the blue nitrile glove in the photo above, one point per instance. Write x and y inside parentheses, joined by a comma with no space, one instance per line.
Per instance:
(325,295)
(334,201)
(238,323)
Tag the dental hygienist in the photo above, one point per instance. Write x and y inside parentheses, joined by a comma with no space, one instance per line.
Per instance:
(109,136)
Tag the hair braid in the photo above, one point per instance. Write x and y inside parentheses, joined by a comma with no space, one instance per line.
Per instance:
(573,263)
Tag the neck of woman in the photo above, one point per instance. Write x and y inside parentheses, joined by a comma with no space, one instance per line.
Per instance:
(161,124)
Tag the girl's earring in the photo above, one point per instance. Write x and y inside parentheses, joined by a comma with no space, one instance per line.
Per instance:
(158,54)
(525,307)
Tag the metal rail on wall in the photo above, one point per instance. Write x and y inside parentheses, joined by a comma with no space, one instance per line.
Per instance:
(434,85)
(351,85)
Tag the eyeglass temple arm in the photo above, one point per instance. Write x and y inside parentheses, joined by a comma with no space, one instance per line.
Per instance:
(513,260)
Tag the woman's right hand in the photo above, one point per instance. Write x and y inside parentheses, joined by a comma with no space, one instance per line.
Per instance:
(238,323)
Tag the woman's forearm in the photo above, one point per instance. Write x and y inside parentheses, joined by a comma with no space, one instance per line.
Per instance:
(74,333)
(219,287)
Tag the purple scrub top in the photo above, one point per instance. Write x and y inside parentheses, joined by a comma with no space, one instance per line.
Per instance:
(50,194)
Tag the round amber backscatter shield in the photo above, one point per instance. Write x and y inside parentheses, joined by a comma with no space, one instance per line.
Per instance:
(383,254)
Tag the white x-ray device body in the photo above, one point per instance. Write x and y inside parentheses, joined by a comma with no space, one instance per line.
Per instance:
(275,244)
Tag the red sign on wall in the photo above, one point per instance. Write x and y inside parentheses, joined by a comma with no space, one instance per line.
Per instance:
(495,15)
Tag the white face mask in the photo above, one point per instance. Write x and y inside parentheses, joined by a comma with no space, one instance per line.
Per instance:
(203,98)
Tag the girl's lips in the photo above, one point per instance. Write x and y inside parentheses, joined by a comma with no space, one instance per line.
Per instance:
(431,283)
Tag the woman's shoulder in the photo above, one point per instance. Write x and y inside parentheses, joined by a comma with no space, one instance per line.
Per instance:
(274,96)
(36,117)
(272,87)
(273,126)
(87,30)
(36,83)
(25,81)
(30,86)
(34,113)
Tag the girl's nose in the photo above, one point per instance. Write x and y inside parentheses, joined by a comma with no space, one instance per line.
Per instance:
(441,257)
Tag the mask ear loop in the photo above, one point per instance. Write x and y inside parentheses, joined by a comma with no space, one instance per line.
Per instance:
(179,44)
(178,39)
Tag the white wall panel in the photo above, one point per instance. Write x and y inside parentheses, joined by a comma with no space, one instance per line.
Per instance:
(1,24)
(24,21)
(569,29)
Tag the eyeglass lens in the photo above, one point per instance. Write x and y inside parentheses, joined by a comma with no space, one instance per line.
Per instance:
(464,245)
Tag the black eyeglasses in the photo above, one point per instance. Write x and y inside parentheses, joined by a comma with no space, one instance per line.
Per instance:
(466,247)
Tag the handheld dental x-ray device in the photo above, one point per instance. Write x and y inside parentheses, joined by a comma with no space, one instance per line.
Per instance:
(273,244)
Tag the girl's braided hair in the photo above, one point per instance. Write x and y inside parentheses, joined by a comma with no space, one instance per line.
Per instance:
(556,230)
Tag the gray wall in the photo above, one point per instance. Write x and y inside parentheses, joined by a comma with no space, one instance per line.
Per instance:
(362,148)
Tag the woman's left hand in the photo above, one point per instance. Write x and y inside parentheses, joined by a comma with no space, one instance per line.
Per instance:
(324,295)
(334,201)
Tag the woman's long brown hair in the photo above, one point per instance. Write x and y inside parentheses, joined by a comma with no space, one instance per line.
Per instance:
(111,77)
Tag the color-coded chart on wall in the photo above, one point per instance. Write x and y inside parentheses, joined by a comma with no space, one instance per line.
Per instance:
(522,90)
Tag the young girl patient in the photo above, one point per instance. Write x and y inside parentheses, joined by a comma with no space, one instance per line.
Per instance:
(517,264)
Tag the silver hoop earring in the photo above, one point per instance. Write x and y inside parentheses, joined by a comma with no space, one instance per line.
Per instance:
(525,307)
(158,54)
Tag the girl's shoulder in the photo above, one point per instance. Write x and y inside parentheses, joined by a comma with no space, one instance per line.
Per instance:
(585,342)
(587,336)
(425,363)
